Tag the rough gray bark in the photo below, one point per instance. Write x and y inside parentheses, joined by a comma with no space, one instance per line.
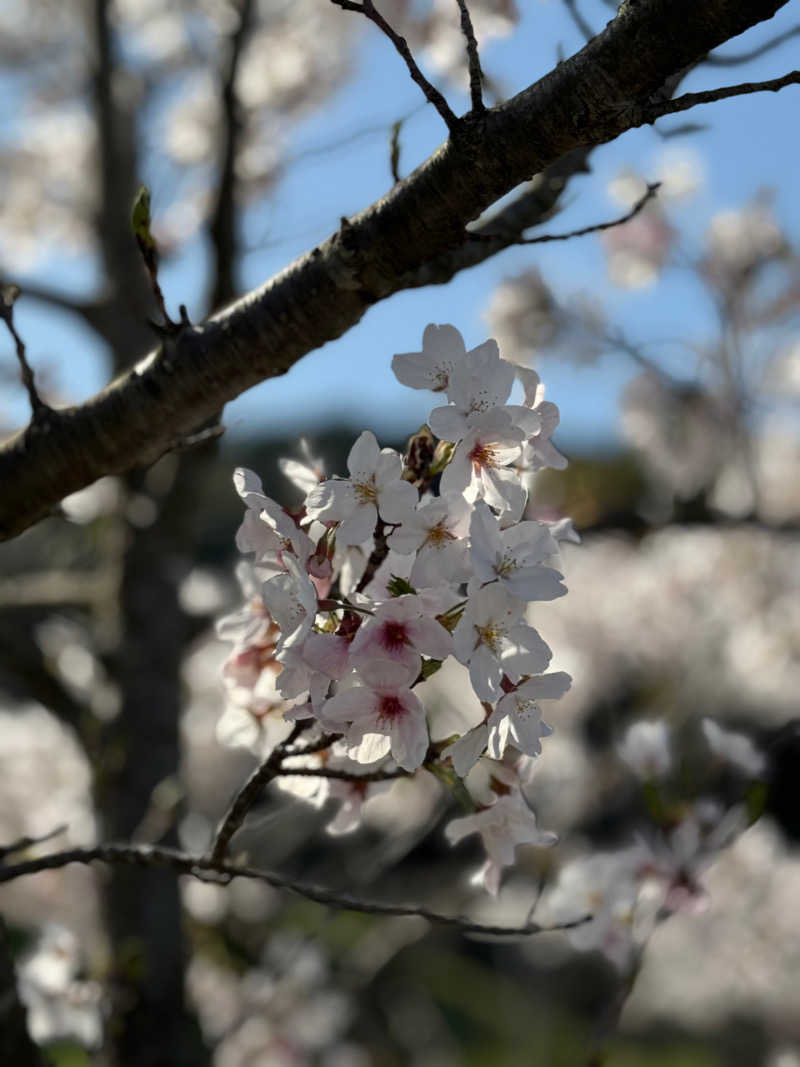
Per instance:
(611,85)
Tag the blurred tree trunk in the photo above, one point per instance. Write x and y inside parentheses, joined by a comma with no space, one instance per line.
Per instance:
(139,756)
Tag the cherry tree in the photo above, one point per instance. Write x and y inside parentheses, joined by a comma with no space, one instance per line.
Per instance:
(360,596)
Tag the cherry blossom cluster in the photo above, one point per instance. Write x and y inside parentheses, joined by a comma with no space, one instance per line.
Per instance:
(356,598)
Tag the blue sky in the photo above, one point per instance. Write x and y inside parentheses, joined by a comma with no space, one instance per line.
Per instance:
(749,144)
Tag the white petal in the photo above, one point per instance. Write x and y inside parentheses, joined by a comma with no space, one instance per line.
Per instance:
(467,750)
(396,502)
(363,457)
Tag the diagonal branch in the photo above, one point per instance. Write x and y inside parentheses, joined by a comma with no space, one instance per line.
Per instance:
(589,99)
(755,53)
(200,866)
(650,113)
(431,93)
(249,794)
(8,295)
(598,227)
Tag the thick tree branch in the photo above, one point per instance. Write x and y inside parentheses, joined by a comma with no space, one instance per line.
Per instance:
(602,91)
(204,866)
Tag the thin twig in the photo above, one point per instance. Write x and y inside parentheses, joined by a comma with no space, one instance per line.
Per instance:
(583,26)
(26,842)
(596,228)
(473,59)
(341,775)
(713,60)
(313,746)
(431,93)
(197,866)
(394,150)
(688,100)
(249,794)
(8,294)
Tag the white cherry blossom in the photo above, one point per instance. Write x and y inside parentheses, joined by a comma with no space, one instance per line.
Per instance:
(508,822)
(517,719)
(443,350)
(539,451)
(291,600)
(492,638)
(436,532)
(380,719)
(480,463)
(266,530)
(474,390)
(375,487)
(397,636)
(514,556)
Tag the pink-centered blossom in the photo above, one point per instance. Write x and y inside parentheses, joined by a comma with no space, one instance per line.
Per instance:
(389,645)
(379,719)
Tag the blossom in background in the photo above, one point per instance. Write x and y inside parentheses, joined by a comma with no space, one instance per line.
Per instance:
(503,825)
(646,749)
(734,748)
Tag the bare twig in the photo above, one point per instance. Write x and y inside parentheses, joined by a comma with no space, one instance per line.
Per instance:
(473,59)
(309,749)
(222,225)
(583,26)
(596,228)
(25,842)
(8,294)
(341,775)
(249,794)
(714,60)
(197,866)
(431,93)
(689,100)
(394,150)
